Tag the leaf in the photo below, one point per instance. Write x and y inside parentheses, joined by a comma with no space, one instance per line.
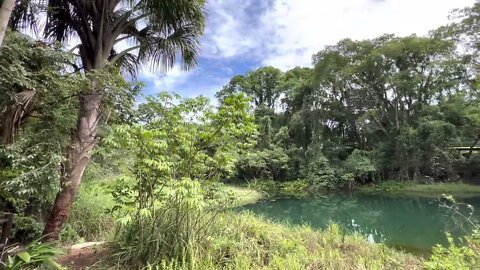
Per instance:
(145,213)
(50,264)
(24,256)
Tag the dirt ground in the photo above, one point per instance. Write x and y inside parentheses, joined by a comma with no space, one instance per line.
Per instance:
(83,257)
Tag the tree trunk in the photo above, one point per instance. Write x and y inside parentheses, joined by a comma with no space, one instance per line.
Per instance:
(77,157)
(470,151)
(5,13)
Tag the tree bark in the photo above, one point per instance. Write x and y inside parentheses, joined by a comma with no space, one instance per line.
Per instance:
(77,157)
(5,13)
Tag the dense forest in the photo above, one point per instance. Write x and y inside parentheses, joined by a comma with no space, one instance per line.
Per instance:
(82,160)
(368,111)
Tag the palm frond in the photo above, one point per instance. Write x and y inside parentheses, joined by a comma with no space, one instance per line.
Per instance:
(164,32)
(162,51)
(26,14)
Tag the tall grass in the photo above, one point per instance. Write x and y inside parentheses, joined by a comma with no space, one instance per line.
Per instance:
(90,219)
(245,241)
(175,231)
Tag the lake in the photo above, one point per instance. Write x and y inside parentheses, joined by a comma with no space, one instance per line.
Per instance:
(407,222)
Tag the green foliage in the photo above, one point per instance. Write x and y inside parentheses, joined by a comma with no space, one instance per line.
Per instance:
(261,85)
(244,241)
(455,256)
(359,166)
(320,174)
(36,255)
(178,228)
(34,80)
(37,122)
(26,229)
(263,164)
(187,140)
(369,110)
(178,154)
(90,219)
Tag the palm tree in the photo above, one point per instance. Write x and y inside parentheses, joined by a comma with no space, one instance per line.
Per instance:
(157,32)
(6,9)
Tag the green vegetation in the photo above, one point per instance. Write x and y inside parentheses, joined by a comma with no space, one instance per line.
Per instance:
(80,160)
(454,256)
(369,110)
(244,241)
(36,255)
(246,195)
(455,189)
(90,218)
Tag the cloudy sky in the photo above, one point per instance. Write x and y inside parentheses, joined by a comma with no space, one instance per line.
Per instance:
(242,35)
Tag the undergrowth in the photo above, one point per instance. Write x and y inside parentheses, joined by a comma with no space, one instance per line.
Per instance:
(90,219)
(245,241)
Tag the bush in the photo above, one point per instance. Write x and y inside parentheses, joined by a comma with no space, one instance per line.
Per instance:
(175,230)
(466,256)
(297,188)
(360,165)
(320,174)
(26,229)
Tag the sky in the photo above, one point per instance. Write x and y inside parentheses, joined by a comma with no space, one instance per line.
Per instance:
(242,35)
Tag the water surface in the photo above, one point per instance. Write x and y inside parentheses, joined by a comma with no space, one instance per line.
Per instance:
(408,222)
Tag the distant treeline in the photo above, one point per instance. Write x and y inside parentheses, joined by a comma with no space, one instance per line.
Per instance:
(369,110)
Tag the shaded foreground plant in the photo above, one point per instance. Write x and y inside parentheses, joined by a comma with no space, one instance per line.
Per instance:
(36,255)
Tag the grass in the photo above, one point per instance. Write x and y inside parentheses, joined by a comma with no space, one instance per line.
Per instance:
(242,240)
(246,241)
(246,195)
(89,219)
(434,189)
(252,242)
(297,188)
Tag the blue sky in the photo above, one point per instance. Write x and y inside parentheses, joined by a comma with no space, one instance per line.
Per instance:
(242,35)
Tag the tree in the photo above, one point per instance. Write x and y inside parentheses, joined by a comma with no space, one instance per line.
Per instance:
(178,151)
(261,85)
(29,167)
(160,31)
(5,13)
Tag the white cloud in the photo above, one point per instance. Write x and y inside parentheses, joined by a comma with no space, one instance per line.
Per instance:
(286,33)
(166,81)
(290,31)
(228,40)
(233,29)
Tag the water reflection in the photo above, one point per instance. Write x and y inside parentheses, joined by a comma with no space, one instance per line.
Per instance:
(412,223)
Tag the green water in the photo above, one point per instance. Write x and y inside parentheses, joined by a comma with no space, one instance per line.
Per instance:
(407,222)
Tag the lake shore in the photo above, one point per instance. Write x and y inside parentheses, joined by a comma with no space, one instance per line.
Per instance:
(299,188)
(245,195)
(429,190)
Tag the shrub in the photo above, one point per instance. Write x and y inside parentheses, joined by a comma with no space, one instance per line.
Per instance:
(36,255)
(26,229)
(245,241)
(456,257)
(175,230)
(320,174)
(360,165)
